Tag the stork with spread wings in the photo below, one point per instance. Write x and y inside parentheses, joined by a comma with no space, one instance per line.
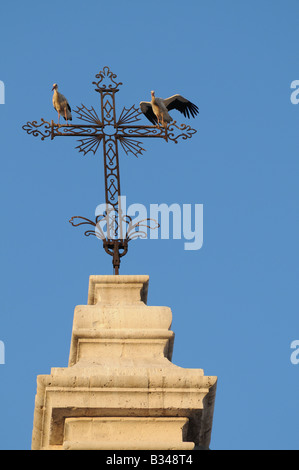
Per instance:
(157,110)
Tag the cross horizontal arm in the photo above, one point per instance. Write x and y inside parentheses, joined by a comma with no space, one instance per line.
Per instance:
(46,129)
(49,129)
(167,133)
(76,130)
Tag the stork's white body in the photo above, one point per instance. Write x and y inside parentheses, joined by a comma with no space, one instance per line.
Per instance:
(160,110)
(61,105)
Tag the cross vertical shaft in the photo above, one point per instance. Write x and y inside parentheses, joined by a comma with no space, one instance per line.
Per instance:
(111,161)
(115,240)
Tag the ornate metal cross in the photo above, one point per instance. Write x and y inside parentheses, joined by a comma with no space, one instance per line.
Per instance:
(110,130)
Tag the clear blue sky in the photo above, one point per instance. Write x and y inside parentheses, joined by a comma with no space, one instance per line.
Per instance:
(235,301)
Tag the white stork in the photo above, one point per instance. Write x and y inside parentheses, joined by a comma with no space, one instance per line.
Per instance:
(157,109)
(61,104)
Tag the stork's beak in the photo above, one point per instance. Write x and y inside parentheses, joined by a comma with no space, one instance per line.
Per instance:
(52,88)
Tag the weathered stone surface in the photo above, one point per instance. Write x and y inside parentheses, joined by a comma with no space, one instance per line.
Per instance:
(120,373)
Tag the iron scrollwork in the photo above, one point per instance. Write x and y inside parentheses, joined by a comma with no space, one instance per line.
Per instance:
(115,247)
(43,130)
(109,130)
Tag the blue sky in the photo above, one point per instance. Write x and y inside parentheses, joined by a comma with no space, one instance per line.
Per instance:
(234,301)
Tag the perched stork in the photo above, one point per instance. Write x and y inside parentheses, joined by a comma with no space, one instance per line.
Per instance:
(157,109)
(61,104)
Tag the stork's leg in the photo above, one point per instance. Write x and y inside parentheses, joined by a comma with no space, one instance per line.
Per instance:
(58,117)
(66,117)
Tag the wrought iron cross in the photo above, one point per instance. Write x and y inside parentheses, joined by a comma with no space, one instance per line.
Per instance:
(110,130)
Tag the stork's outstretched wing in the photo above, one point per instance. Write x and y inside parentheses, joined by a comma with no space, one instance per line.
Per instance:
(181,104)
(146,108)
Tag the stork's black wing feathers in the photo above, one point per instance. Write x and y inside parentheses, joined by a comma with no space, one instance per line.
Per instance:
(181,104)
(147,110)
(69,108)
